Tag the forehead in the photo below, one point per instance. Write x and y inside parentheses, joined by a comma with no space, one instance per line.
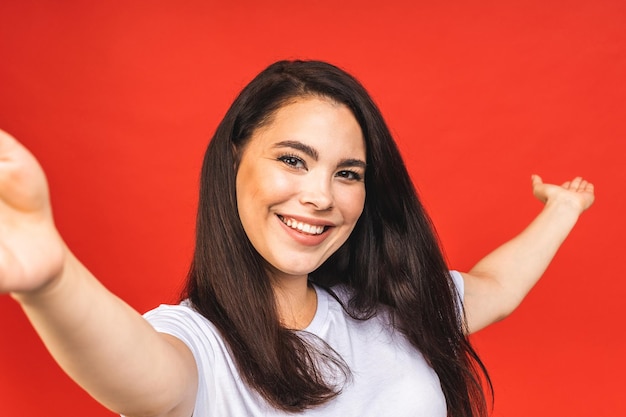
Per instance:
(320,122)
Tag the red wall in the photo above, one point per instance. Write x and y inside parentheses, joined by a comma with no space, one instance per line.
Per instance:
(118,100)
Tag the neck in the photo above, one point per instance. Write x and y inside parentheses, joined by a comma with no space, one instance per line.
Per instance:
(296,301)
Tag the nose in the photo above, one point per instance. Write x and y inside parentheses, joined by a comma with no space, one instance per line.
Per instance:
(317,191)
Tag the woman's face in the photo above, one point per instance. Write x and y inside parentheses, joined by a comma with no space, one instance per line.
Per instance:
(300,185)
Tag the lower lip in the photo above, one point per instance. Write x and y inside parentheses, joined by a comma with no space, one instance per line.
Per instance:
(303,238)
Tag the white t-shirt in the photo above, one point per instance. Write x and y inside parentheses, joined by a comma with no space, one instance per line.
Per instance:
(389,376)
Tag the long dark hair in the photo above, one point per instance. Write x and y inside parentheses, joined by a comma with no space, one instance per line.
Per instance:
(392,257)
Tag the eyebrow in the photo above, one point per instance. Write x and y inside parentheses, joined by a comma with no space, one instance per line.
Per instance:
(345,163)
(312,152)
(298,146)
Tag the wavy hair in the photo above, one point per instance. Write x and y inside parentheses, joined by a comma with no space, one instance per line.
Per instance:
(392,258)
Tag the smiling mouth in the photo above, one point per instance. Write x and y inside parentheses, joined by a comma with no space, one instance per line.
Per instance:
(301,227)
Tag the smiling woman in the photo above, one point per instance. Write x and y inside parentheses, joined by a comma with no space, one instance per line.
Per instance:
(311,183)
(317,285)
(307,145)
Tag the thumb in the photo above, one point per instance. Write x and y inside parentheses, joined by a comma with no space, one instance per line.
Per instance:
(536,180)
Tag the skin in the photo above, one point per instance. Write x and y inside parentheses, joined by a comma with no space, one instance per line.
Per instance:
(498,283)
(306,168)
(99,340)
(94,336)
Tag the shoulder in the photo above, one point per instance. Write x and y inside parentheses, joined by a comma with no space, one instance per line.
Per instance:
(185,323)
(167,315)
(221,388)
(459,284)
(343,293)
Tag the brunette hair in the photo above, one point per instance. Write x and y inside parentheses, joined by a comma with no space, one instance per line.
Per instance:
(392,257)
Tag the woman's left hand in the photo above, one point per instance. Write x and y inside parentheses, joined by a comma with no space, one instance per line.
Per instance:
(578,192)
(496,285)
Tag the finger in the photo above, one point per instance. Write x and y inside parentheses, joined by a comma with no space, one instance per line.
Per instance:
(9,147)
(6,135)
(536,180)
(575,183)
(6,140)
(566,185)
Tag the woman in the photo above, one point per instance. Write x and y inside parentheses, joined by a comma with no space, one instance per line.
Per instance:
(317,285)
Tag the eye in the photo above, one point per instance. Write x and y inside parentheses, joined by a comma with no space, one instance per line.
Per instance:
(292,161)
(349,175)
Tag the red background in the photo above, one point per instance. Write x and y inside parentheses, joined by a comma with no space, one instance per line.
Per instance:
(118,99)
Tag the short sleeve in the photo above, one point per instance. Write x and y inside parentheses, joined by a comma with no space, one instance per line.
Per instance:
(459,286)
(200,336)
(182,322)
(457,278)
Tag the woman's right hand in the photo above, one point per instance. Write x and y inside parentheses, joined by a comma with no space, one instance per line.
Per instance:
(100,341)
(32,252)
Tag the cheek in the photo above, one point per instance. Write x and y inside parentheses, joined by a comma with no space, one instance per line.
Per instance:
(246,191)
(352,204)
(263,187)
(274,186)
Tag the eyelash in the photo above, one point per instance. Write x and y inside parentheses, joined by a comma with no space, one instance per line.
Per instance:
(292,161)
(350,175)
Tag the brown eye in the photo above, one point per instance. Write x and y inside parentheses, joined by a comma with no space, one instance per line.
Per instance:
(292,161)
(349,175)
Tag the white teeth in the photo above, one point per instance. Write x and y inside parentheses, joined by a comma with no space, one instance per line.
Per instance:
(303,227)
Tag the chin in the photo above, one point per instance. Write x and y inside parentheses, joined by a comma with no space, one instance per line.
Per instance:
(294,271)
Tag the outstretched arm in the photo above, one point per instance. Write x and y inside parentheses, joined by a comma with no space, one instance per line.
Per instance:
(101,342)
(498,283)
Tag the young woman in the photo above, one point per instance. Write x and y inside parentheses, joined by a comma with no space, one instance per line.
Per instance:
(317,285)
